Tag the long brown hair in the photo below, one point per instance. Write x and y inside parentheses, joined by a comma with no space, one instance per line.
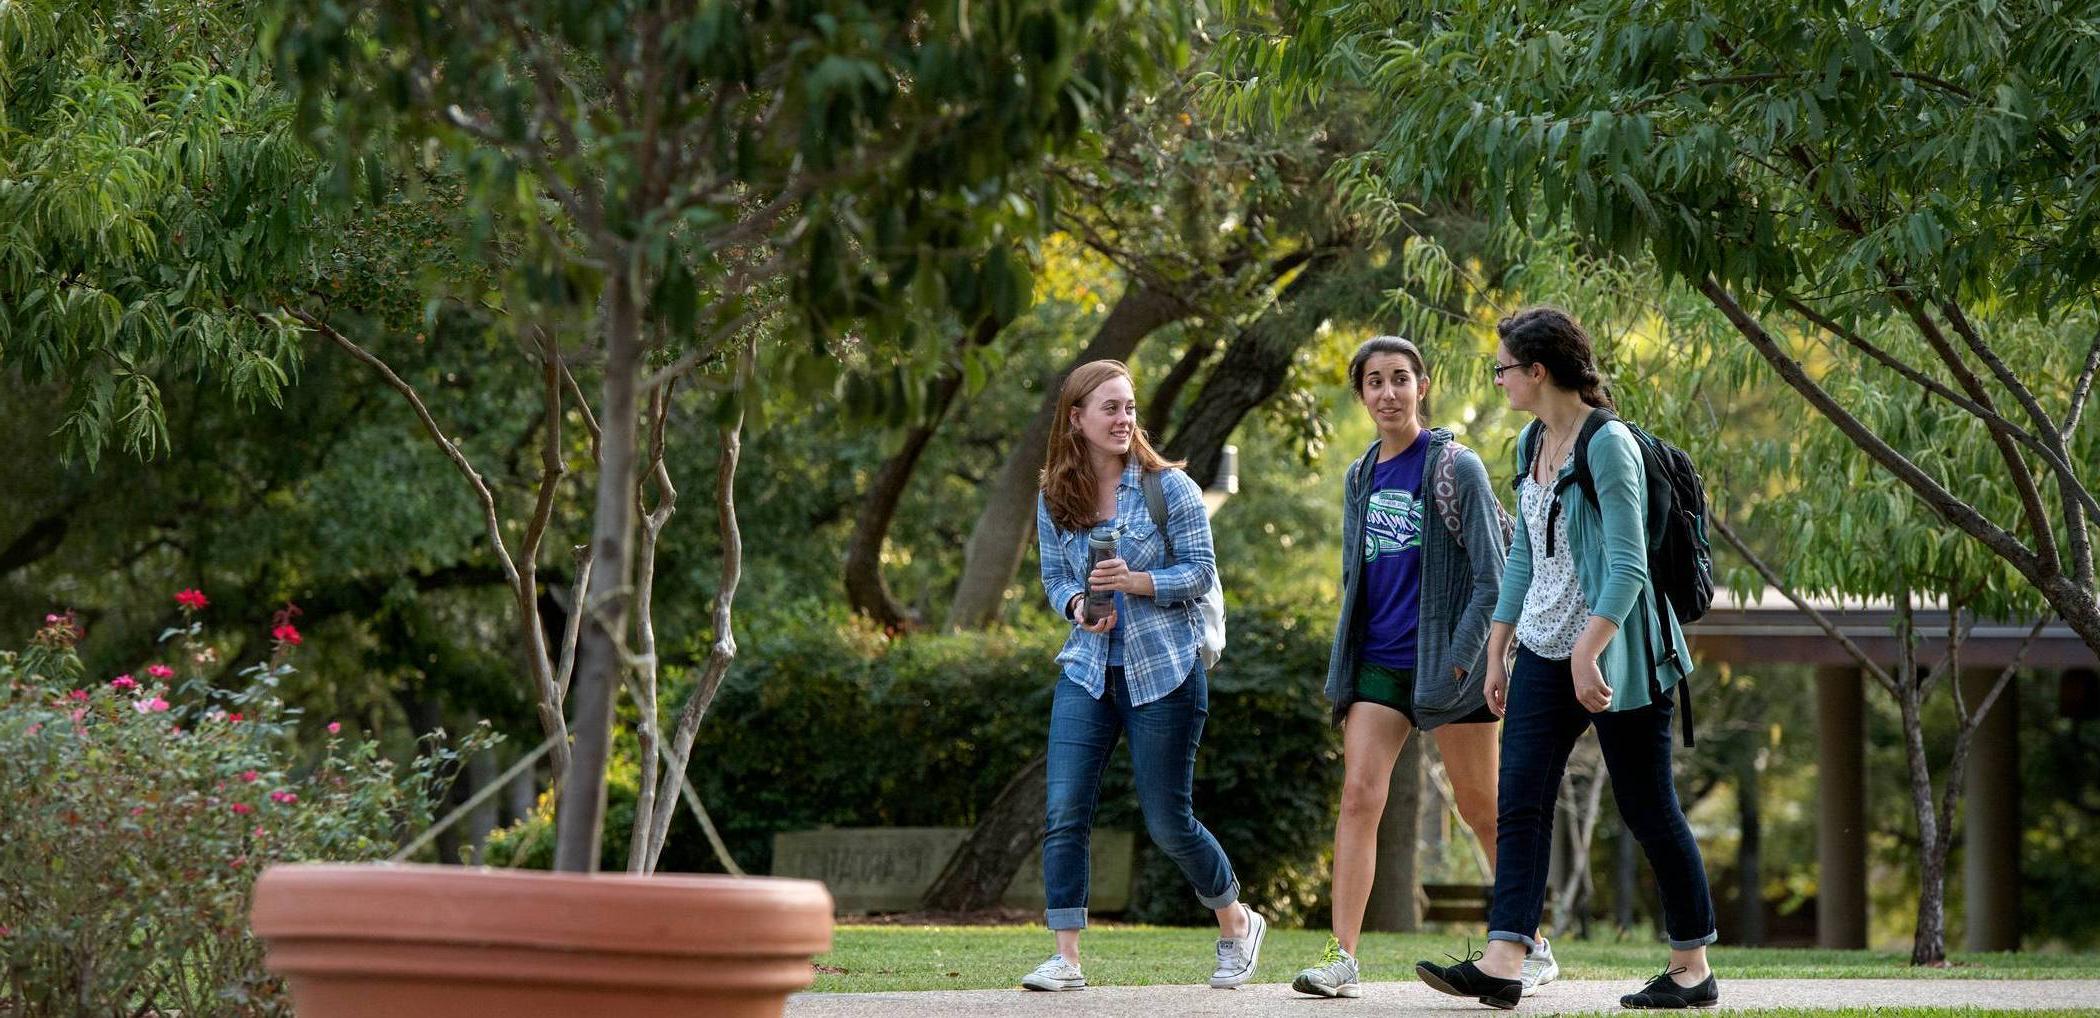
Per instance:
(1549,337)
(1068,479)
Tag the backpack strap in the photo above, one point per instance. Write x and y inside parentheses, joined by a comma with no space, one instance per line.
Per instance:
(1595,422)
(1443,490)
(1156,501)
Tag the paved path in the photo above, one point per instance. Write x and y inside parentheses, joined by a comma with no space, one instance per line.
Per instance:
(1276,999)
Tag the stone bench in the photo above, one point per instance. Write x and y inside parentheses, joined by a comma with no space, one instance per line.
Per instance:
(888,869)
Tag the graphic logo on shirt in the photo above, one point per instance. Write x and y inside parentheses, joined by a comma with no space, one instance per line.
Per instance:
(1392,524)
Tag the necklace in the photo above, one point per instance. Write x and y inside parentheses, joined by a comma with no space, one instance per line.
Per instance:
(1551,461)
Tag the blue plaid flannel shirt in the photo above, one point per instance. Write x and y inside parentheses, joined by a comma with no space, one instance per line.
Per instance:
(1161,633)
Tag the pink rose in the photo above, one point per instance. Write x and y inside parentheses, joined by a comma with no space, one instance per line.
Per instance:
(160,671)
(123,683)
(78,694)
(334,727)
(249,776)
(287,798)
(243,808)
(191,599)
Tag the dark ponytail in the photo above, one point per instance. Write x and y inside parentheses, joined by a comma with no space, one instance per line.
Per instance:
(1549,337)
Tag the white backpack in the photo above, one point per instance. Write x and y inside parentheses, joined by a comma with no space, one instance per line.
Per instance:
(1211,605)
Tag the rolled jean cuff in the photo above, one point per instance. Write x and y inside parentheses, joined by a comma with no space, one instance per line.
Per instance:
(1686,945)
(1065,918)
(1514,938)
(1232,894)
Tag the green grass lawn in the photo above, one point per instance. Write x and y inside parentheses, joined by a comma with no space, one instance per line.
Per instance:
(874,958)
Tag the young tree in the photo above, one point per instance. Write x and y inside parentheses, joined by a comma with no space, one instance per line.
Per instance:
(1908,187)
(661,162)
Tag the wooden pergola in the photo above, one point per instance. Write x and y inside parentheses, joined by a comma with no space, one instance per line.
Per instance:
(1771,630)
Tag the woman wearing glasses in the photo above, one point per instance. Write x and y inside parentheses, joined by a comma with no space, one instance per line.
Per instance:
(1577,602)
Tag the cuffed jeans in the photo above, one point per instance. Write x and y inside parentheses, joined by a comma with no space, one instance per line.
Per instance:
(1539,732)
(1163,739)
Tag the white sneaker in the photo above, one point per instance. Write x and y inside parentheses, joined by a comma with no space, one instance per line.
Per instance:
(1055,974)
(1237,956)
(1335,976)
(1539,967)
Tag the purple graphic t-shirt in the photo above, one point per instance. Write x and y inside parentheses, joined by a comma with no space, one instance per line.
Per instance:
(1392,585)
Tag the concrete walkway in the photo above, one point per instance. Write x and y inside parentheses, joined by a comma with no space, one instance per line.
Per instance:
(1266,999)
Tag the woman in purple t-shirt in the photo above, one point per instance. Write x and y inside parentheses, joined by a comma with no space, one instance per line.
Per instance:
(1422,560)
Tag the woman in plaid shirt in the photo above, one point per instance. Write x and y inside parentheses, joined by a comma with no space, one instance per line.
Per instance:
(1132,670)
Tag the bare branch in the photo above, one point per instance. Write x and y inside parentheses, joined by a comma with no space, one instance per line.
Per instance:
(524,588)
(590,420)
(723,650)
(708,348)
(551,467)
(1822,621)
(2082,389)
(574,629)
(2004,680)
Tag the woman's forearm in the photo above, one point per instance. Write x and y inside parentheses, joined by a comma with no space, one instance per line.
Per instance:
(1596,636)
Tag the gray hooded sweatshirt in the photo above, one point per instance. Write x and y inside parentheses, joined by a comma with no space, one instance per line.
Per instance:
(1459,584)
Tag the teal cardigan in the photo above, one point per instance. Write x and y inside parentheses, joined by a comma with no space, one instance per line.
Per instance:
(1610,545)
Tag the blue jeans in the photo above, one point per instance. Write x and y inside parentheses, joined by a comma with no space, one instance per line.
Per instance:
(1539,732)
(1163,739)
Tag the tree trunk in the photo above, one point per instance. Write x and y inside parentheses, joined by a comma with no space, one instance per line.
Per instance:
(977,874)
(1252,369)
(1929,941)
(1003,527)
(1159,407)
(1749,865)
(580,813)
(1395,903)
(866,589)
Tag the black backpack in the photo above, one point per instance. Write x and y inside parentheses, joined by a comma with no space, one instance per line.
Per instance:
(1680,560)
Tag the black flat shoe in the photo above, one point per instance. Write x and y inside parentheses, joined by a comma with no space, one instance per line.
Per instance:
(1466,980)
(1663,992)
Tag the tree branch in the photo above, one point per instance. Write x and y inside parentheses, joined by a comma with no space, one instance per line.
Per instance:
(1937,497)
(723,650)
(2069,488)
(2047,560)
(1822,621)
(2082,389)
(523,588)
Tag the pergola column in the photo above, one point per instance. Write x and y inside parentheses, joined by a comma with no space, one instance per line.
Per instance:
(1841,815)
(1991,830)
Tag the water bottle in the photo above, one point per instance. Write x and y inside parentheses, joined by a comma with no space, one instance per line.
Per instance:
(1100,547)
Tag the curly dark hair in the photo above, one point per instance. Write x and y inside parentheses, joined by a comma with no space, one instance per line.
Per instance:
(1550,338)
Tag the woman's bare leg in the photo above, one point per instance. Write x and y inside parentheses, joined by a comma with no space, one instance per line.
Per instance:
(1372,736)
(1473,761)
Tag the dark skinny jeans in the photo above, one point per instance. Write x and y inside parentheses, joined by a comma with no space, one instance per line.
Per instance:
(1538,733)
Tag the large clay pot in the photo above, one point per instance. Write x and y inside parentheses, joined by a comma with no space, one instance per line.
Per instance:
(456,942)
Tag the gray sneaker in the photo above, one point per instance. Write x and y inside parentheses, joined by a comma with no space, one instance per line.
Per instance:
(1335,976)
(1237,956)
(1055,974)
(1539,967)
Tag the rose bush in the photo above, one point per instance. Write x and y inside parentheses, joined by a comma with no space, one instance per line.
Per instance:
(140,809)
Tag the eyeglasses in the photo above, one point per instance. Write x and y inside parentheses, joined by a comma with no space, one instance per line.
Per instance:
(1498,369)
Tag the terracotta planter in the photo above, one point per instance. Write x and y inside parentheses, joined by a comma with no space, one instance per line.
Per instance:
(457,942)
